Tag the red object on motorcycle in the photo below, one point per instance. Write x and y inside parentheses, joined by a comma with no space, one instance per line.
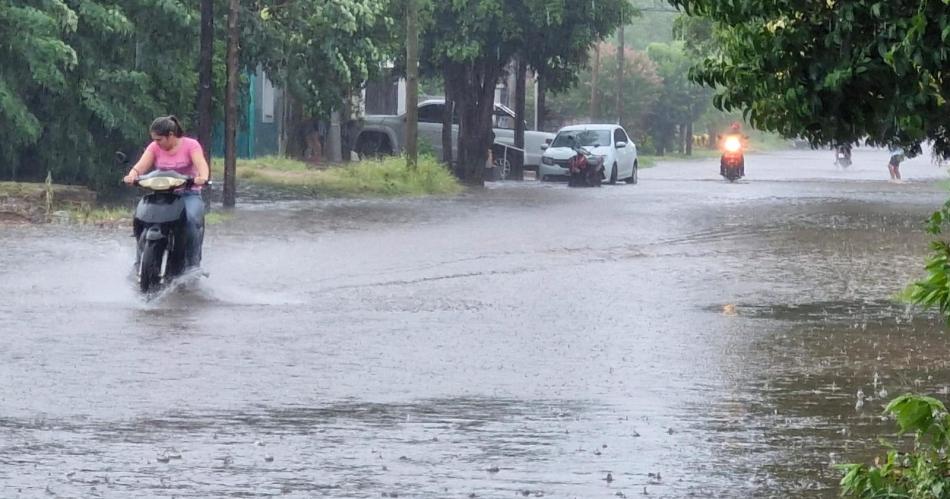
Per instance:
(577,163)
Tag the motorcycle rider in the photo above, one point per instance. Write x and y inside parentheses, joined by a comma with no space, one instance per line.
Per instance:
(170,150)
(845,151)
(735,130)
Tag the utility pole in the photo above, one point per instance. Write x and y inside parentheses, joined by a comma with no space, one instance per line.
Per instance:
(412,82)
(205,66)
(230,110)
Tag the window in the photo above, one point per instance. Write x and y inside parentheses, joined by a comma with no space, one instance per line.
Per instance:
(582,138)
(431,113)
(620,136)
(503,120)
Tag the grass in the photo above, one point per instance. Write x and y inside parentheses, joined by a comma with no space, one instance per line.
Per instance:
(651,160)
(114,215)
(388,177)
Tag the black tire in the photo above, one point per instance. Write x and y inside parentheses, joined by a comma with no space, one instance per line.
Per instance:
(150,266)
(613,175)
(373,145)
(635,176)
(597,179)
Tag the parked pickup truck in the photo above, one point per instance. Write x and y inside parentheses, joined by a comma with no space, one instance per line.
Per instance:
(386,134)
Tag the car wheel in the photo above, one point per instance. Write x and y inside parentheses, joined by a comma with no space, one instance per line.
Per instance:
(613,175)
(373,145)
(634,177)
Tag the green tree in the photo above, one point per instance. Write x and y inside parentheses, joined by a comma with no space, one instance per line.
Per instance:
(473,41)
(642,89)
(681,101)
(81,79)
(320,51)
(35,59)
(834,71)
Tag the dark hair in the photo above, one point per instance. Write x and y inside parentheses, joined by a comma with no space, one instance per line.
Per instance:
(167,125)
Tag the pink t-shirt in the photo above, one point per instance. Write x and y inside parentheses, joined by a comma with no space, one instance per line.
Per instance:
(178,159)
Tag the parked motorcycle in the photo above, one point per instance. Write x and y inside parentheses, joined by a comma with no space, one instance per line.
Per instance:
(843,156)
(732,162)
(586,169)
(159,229)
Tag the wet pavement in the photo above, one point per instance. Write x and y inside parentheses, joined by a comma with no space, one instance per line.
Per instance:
(684,337)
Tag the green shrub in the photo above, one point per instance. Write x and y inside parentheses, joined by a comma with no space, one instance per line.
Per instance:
(934,290)
(921,473)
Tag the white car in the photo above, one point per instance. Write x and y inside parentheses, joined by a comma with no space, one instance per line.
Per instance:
(609,141)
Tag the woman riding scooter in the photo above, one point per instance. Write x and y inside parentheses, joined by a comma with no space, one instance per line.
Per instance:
(170,150)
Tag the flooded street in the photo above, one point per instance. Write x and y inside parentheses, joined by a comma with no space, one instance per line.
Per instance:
(684,337)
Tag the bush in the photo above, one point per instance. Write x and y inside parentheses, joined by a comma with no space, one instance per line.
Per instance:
(918,474)
(933,292)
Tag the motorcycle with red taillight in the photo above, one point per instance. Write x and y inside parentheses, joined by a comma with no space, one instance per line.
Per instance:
(732,161)
(585,168)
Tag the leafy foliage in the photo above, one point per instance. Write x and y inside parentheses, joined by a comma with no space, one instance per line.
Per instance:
(321,50)
(83,78)
(934,290)
(834,71)
(681,101)
(472,41)
(642,88)
(922,473)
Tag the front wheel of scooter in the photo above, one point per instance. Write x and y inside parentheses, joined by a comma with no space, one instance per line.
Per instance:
(150,266)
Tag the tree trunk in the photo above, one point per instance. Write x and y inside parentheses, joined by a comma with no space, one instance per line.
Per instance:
(230,121)
(475,101)
(690,138)
(447,120)
(205,66)
(620,78)
(412,83)
(521,92)
(334,139)
(541,105)
(594,111)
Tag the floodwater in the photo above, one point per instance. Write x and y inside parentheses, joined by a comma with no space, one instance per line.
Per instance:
(684,337)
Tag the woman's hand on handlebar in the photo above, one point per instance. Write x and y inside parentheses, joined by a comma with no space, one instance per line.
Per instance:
(201,180)
(132,176)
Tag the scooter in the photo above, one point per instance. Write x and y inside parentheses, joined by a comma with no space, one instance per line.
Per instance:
(843,156)
(732,161)
(159,227)
(586,169)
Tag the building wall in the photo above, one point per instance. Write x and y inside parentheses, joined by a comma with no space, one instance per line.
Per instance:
(258,119)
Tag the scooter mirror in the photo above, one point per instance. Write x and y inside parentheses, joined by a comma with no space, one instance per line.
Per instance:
(121,158)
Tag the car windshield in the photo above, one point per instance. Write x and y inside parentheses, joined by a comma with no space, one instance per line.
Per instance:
(583,138)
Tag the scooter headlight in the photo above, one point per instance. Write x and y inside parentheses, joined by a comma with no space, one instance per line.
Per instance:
(733,144)
(162,183)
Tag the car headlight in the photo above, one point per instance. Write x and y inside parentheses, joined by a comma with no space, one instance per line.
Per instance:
(596,160)
(547,160)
